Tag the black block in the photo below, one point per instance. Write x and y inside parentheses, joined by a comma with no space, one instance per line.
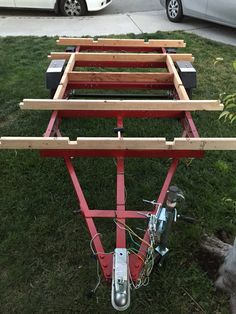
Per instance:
(187,74)
(54,73)
(70,49)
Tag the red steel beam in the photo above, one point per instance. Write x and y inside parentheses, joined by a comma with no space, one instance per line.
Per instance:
(120,64)
(121,214)
(78,190)
(104,259)
(115,114)
(123,153)
(119,49)
(120,194)
(53,124)
(192,127)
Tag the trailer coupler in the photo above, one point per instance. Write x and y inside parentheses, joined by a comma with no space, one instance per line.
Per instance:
(120,294)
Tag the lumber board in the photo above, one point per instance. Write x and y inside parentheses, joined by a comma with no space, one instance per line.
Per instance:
(115,143)
(34,142)
(61,89)
(205,143)
(64,80)
(122,57)
(180,89)
(137,77)
(122,105)
(107,42)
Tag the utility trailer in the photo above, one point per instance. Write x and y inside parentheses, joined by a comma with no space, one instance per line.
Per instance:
(176,77)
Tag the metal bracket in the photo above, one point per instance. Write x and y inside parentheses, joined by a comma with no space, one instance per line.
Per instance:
(162,252)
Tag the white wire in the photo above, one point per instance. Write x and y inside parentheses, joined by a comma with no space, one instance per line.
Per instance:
(91,246)
(94,253)
(146,271)
(99,279)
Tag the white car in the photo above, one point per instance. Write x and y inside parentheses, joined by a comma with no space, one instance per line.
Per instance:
(217,11)
(66,7)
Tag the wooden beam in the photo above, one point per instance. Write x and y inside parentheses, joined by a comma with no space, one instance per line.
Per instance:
(121,57)
(137,77)
(180,89)
(64,80)
(205,143)
(122,105)
(107,42)
(113,143)
(34,142)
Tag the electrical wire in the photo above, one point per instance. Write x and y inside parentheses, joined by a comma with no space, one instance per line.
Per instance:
(91,246)
(148,261)
(99,279)
(97,253)
(117,223)
(127,228)
(130,250)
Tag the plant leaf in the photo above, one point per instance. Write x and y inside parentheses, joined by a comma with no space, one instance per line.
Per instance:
(224,114)
(230,105)
(233,119)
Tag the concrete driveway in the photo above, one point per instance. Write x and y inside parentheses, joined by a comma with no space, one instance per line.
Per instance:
(106,24)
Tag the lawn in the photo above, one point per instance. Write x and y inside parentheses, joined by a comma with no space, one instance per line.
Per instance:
(45,261)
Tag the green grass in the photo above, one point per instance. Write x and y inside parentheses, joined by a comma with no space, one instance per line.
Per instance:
(45,261)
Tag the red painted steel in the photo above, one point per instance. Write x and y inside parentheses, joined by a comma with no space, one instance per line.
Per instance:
(79,193)
(53,125)
(120,194)
(115,114)
(104,259)
(120,64)
(120,213)
(123,153)
(191,125)
(119,49)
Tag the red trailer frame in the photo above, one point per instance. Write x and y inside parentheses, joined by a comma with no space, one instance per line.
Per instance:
(120,213)
(110,53)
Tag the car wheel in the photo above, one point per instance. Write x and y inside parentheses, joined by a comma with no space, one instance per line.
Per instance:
(174,10)
(73,7)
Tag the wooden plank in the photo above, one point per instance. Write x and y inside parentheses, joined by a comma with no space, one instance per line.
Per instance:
(133,57)
(121,57)
(64,80)
(59,55)
(122,105)
(205,143)
(34,142)
(177,81)
(105,42)
(137,77)
(61,89)
(81,143)
(113,143)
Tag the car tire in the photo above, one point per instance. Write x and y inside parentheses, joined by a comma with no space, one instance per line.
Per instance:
(73,7)
(174,10)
